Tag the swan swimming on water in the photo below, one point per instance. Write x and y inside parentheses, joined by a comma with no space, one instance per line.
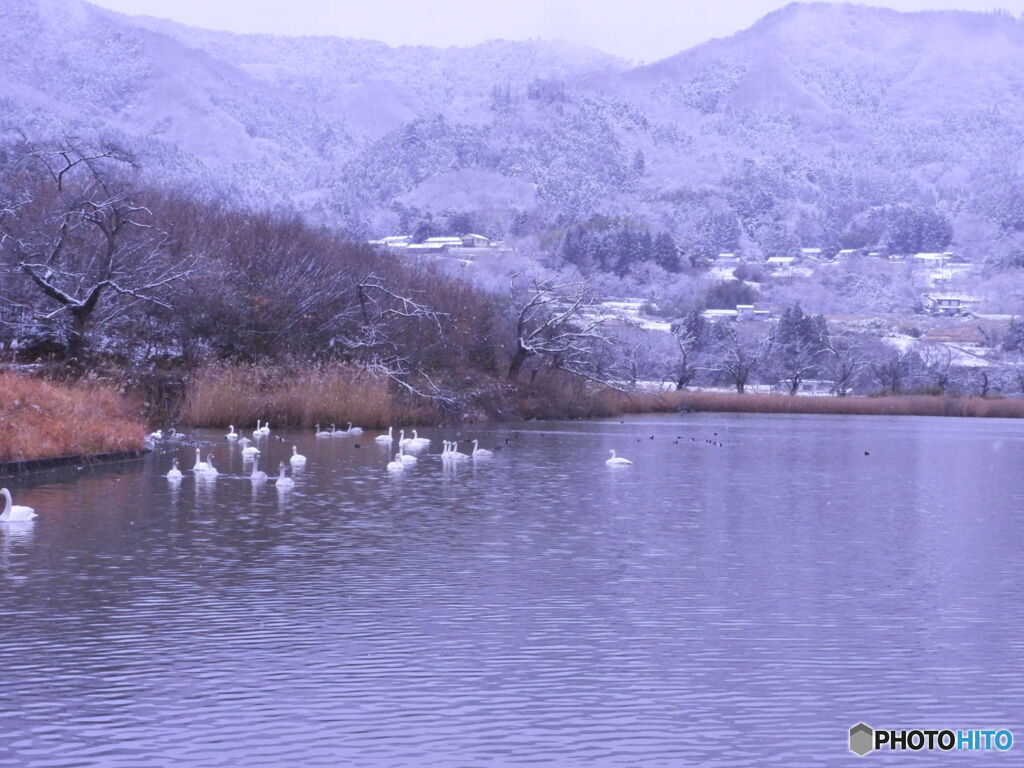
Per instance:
(337,432)
(249,450)
(265,429)
(283,481)
(210,471)
(257,475)
(297,459)
(406,458)
(419,442)
(396,465)
(353,430)
(13,513)
(617,461)
(258,432)
(231,435)
(174,473)
(321,432)
(480,453)
(388,438)
(158,435)
(200,465)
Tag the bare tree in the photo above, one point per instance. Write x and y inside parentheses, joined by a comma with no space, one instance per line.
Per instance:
(88,249)
(844,362)
(739,353)
(384,314)
(563,325)
(982,381)
(937,360)
(895,369)
(1016,375)
(692,335)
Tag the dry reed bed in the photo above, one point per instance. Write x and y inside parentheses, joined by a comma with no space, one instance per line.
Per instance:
(296,395)
(615,403)
(41,419)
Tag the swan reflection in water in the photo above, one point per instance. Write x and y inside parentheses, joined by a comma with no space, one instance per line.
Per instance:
(14,536)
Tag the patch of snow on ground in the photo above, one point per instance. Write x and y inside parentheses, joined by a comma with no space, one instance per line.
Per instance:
(628,310)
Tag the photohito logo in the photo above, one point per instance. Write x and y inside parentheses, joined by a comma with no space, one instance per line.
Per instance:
(865,739)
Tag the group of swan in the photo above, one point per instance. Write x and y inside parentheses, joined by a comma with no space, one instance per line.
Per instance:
(172,434)
(12,512)
(200,468)
(282,480)
(350,432)
(449,453)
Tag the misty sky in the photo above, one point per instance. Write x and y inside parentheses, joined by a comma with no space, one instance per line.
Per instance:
(641,30)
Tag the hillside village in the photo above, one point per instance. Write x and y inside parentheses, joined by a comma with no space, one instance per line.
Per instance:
(947,329)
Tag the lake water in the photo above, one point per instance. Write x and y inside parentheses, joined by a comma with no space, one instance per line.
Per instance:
(734,603)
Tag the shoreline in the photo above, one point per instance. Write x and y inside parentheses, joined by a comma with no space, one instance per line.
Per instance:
(46,417)
(852,405)
(53,463)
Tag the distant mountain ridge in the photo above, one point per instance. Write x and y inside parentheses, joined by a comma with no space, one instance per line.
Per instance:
(796,131)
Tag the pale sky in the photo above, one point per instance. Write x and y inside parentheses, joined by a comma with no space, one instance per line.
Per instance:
(641,30)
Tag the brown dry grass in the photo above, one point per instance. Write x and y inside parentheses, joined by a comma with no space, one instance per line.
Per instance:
(296,395)
(614,403)
(41,419)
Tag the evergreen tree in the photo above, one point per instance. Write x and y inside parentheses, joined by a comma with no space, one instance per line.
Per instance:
(798,346)
(665,254)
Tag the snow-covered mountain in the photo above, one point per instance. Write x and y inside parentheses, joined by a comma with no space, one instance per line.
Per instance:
(795,131)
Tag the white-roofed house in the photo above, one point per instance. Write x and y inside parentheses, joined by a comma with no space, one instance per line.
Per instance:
(950,303)
(472,240)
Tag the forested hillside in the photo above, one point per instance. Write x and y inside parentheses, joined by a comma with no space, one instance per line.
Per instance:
(822,125)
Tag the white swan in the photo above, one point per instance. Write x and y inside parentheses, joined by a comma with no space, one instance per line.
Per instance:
(321,432)
(249,450)
(13,513)
(354,430)
(480,453)
(210,471)
(338,432)
(419,442)
(283,481)
(388,438)
(174,473)
(158,435)
(200,465)
(406,458)
(265,429)
(403,441)
(257,475)
(454,454)
(258,432)
(396,465)
(617,461)
(297,459)
(231,435)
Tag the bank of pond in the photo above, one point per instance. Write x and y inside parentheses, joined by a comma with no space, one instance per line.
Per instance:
(43,419)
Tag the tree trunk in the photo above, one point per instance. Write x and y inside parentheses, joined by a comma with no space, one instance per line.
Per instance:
(77,337)
(517,363)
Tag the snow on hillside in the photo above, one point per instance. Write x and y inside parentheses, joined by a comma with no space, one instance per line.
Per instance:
(807,129)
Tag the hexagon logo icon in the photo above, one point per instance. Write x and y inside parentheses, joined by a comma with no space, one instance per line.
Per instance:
(862,739)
